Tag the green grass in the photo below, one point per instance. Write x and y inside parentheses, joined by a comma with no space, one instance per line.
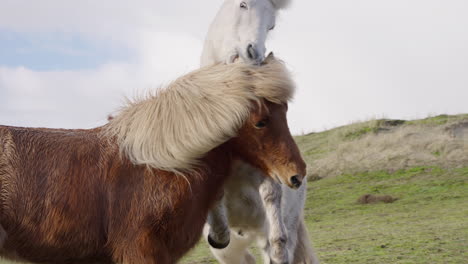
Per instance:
(427,224)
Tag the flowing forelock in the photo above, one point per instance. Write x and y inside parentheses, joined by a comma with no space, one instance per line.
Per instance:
(172,129)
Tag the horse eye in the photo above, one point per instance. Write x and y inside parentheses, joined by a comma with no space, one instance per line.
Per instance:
(273,27)
(243,5)
(261,124)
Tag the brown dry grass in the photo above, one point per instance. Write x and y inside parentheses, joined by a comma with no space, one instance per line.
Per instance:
(388,145)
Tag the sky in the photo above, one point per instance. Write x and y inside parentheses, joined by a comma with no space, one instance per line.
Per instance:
(69,64)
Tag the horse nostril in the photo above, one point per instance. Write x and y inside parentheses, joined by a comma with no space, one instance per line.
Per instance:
(295,181)
(251,52)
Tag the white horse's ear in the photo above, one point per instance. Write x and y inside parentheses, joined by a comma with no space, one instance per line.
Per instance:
(281,4)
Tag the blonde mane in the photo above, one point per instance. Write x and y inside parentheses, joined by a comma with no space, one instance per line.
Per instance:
(177,126)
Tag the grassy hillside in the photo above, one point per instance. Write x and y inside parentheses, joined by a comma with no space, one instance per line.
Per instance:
(421,163)
(387,145)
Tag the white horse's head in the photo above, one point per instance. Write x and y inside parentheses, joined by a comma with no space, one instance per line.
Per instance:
(239,31)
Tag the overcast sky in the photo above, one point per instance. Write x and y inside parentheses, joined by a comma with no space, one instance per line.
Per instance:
(70,63)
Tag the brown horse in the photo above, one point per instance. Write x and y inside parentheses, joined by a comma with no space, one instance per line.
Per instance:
(138,189)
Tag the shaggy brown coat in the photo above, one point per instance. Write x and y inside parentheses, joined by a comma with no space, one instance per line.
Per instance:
(89,204)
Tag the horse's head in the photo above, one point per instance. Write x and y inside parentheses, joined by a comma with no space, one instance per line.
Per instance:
(264,139)
(240,30)
(265,142)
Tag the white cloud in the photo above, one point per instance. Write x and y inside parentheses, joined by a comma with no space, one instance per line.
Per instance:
(84,98)
(115,20)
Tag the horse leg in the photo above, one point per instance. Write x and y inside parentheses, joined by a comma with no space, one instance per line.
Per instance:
(271,194)
(299,246)
(237,250)
(292,229)
(217,229)
(303,251)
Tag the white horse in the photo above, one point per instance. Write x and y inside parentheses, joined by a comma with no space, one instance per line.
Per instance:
(254,208)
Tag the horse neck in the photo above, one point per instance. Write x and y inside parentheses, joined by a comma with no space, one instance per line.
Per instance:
(212,51)
(218,162)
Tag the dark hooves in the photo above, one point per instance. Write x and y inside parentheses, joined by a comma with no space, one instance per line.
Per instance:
(217,245)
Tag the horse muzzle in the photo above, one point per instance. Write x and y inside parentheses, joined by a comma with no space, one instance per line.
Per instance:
(253,55)
(293,182)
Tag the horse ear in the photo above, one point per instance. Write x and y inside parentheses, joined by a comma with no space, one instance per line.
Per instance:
(281,4)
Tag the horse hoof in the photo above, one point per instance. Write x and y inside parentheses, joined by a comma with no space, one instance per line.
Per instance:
(217,245)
